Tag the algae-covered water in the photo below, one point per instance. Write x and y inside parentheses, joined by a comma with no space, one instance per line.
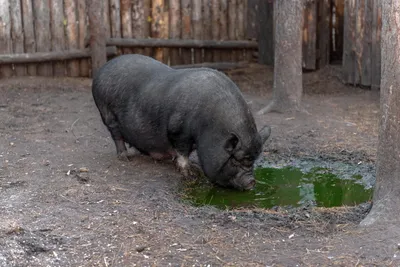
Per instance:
(285,187)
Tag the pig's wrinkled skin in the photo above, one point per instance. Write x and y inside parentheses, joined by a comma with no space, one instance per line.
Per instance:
(167,113)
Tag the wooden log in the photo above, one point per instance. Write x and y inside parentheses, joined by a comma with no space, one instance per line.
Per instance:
(40,57)
(175,29)
(147,25)
(115,18)
(72,35)
(138,22)
(186,12)
(97,35)
(365,38)
(157,12)
(207,28)
(83,37)
(214,65)
(266,33)
(337,50)
(310,36)
(29,33)
(126,22)
(17,33)
(196,29)
(42,33)
(216,27)
(324,10)
(175,43)
(57,34)
(232,6)
(240,26)
(248,53)
(376,45)
(165,32)
(5,36)
(106,17)
(339,33)
(223,20)
(349,55)
(252,18)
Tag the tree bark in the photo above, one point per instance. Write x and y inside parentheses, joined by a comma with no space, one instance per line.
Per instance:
(386,199)
(288,87)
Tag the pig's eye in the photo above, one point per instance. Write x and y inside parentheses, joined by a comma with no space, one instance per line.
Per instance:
(247,161)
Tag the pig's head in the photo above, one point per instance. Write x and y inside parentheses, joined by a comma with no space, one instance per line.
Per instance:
(228,161)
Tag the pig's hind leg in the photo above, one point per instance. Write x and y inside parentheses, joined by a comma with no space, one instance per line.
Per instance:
(110,120)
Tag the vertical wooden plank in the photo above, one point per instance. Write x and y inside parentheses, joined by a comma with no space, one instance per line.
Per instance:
(57,34)
(232,5)
(186,12)
(324,32)
(126,22)
(115,18)
(98,34)
(72,35)
(197,25)
(223,19)
(349,58)
(29,33)
(147,26)
(376,45)
(240,26)
(106,17)
(5,36)
(216,31)
(175,29)
(266,33)
(138,22)
(248,53)
(366,25)
(339,16)
(17,34)
(83,37)
(310,36)
(165,31)
(157,10)
(207,28)
(252,19)
(42,32)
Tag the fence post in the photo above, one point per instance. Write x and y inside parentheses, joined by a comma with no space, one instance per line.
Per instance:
(97,34)
(266,32)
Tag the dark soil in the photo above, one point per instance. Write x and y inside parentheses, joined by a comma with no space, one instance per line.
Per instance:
(66,200)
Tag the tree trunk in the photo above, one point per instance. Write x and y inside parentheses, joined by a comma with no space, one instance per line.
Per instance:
(288,87)
(386,199)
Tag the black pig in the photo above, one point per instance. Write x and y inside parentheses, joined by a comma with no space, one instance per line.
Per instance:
(167,113)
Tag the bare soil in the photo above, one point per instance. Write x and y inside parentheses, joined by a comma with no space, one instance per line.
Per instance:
(66,200)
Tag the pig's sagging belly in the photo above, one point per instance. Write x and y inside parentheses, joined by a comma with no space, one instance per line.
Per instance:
(148,136)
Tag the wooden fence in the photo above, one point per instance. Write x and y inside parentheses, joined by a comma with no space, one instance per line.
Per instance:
(362,43)
(51,37)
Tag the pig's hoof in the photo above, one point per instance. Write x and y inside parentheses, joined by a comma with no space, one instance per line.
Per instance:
(123,156)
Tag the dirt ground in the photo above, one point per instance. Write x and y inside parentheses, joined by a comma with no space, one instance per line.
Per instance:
(66,200)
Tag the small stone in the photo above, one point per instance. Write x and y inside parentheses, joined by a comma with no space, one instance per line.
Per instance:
(140,249)
(83,169)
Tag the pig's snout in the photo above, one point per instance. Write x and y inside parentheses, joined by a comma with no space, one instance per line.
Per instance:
(244,182)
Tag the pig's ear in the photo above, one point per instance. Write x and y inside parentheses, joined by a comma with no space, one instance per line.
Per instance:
(265,132)
(231,143)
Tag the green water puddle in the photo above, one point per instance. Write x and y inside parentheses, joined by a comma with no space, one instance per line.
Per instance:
(284,187)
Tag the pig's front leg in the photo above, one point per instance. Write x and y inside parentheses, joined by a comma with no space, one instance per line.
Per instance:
(187,168)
